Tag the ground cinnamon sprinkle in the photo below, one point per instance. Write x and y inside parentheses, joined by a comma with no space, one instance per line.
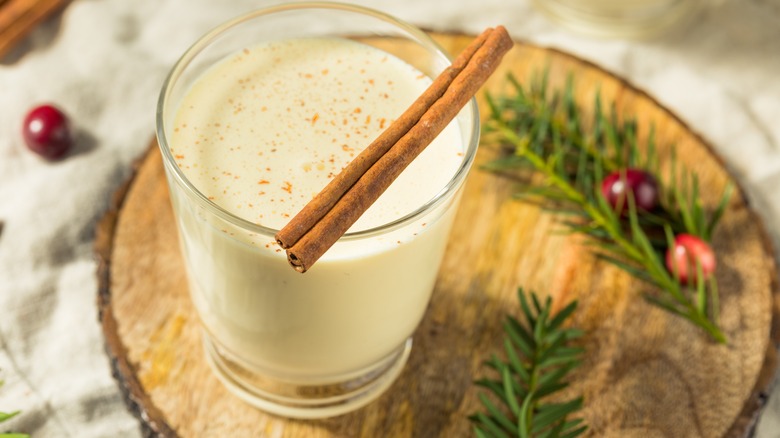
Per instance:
(319,144)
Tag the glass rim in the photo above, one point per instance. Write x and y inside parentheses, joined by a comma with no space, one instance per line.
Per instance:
(419,36)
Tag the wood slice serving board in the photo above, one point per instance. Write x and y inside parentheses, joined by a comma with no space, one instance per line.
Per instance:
(645,374)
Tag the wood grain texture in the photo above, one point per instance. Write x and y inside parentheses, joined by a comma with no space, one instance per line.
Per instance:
(19,17)
(646,373)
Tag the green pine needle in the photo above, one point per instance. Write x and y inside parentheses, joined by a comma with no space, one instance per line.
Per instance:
(544,131)
(539,358)
(5,416)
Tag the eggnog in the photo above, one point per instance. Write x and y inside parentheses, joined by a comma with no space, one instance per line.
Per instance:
(257,135)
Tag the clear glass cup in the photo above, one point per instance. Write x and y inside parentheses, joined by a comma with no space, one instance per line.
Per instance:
(331,340)
(622,18)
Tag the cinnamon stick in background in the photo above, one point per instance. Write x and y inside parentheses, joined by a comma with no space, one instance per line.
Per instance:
(438,109)
(19,17)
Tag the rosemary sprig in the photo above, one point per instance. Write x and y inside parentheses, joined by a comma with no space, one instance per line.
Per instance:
(546,132)
(539,357)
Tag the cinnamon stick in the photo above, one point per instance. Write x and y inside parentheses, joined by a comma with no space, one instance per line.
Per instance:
(342,203)
(324,200)
(19,17)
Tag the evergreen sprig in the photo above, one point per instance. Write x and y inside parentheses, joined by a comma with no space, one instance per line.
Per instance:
(545,132)
(539,358)
(5,416)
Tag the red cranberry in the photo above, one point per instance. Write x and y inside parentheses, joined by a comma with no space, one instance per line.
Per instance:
(46,132)
(686,252)
(642,184)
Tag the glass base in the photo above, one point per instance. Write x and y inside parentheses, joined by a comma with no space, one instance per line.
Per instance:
(306,401)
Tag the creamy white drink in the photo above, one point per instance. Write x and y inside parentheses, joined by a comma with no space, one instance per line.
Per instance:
(265,130)
(258,134)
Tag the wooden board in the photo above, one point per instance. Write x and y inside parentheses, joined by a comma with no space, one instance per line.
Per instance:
(646,373)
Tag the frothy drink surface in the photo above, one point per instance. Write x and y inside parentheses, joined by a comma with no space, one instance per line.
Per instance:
(263,131)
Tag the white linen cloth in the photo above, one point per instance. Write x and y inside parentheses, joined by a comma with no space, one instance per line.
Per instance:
(103,62)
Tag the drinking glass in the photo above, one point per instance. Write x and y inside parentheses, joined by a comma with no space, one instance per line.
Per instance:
(330,340)
(621,18)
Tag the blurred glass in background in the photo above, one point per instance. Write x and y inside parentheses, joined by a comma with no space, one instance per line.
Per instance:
(622,18)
